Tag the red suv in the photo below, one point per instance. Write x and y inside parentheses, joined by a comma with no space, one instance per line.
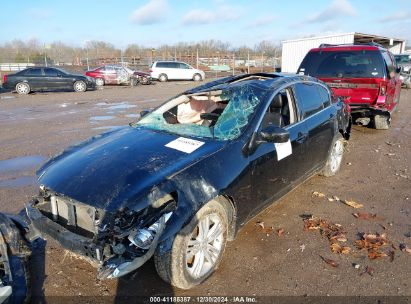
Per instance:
(365,75)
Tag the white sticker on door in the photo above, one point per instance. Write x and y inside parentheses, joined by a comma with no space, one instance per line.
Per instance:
(283,149)
(186,145)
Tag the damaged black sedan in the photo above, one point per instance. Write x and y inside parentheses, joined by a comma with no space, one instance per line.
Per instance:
(182,180)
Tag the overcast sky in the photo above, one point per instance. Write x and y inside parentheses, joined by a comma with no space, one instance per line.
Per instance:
(240,22)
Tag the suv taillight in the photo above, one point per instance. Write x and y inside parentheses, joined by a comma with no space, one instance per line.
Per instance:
(4,78)
(383,89)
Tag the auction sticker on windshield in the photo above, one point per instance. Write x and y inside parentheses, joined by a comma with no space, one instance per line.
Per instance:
(186,145)
(283,149)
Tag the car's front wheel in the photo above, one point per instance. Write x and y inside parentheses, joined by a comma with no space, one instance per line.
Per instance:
(335,156)
(23,88)
(197,249)
(80,86)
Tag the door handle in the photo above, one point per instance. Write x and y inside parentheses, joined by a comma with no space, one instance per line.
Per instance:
(301,137)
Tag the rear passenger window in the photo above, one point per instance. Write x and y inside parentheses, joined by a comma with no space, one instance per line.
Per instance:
(309,99)
(388,62)
(163,65)
(324,95)
(33,72)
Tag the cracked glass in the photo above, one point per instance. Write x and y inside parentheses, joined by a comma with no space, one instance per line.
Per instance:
(243,100)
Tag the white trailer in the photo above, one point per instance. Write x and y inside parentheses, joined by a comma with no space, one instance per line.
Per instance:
(293,51)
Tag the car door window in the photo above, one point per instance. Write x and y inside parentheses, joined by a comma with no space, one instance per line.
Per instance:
(309,99)
(281,111)
(50,72)
(34,73)
(184,66)
(325,96)
(389,63)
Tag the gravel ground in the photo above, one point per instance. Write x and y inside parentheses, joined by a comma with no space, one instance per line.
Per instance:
(375,173)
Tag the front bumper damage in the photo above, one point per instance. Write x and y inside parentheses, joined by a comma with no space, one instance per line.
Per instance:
(113,251)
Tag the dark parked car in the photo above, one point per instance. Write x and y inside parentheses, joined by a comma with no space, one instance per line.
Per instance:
(117,74)
(46,79)
(187,176)
(366,75)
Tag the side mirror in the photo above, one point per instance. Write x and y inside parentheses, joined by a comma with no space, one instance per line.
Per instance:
(144,113)
(274,134)
(59,75)
(399,69)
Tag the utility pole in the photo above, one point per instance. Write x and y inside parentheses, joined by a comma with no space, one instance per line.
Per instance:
(233,64)
(248,62)
(262,61)
(45,55)
(197,60)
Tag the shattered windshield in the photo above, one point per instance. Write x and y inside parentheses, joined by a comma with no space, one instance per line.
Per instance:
(219,114)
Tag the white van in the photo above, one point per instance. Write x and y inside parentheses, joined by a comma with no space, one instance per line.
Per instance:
(175,70)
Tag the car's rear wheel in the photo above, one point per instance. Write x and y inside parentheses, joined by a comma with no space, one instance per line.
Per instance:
(80,86)
(145,80)
(99,82)
(197,77)
(381,122)
(335,156)
(162,77)
(23,88)
(197,249)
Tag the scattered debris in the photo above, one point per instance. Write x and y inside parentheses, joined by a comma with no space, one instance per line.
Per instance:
(404,248)
(329,261)
(280,232)
(352,204)
(318,194)
(349,164)
(390,154)
(302,247)
(368,270)
(391,254)
(337,248)
(356,266)
(289,249)
(373,243)
(365,216)
(261,224)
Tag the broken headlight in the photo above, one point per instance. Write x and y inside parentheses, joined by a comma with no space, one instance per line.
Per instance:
(143,238)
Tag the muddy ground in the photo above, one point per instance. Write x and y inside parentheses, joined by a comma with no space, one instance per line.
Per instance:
(375,173)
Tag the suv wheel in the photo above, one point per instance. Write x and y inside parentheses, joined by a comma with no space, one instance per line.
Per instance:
(381,122)
(162,77)
(197,249)
(197,77)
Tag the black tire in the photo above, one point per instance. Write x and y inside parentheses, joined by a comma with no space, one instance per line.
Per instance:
(99,82)
(197,77)
(335,156)
(23,88)
(79,86)
(173,266)
(381,122)
(162,78)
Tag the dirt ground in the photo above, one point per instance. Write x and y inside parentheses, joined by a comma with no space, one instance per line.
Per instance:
(375,173)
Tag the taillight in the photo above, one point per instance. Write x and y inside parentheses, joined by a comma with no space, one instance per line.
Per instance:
(4,78)
(150,71)
(383,89)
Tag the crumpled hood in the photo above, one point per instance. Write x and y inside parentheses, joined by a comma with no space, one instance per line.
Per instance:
(108,169)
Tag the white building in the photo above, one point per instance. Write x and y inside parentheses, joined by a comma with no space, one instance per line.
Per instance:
(294,50)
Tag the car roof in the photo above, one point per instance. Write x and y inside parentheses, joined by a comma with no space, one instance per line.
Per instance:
(348,47)
(262,80)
